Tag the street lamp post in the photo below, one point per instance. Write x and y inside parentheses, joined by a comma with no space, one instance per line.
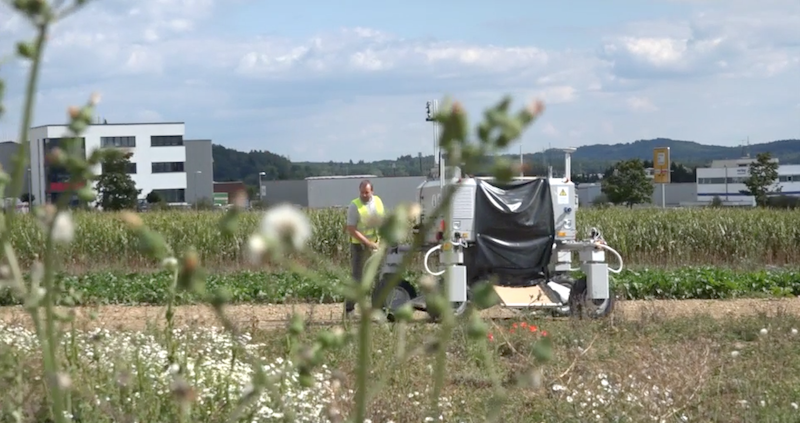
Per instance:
(260,198)
(196,190)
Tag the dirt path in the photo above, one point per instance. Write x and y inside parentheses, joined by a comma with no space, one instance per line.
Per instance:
(271,316)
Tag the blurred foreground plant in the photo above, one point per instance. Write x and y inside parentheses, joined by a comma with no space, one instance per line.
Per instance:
(284,230)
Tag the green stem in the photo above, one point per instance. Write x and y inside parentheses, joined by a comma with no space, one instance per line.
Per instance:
(364,339)
(169,316)
(49,354)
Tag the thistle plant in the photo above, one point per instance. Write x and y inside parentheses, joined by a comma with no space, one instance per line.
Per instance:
(281,241)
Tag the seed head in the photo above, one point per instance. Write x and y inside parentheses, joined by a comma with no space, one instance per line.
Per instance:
(287,226)
(64,228)
(132,220)
(536,108)
(256,246)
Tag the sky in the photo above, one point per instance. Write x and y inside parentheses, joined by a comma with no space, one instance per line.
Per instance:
(349,79)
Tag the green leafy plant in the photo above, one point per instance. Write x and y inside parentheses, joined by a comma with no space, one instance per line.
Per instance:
(323,286)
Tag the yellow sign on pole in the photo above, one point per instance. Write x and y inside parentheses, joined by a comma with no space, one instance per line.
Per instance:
(661,165)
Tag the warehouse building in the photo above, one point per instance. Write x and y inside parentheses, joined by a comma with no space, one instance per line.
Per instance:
(339,191)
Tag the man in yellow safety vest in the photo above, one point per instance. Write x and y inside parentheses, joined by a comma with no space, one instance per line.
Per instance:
(363,216)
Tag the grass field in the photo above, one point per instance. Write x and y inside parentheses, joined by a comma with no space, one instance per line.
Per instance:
(644,237)
(646,366)
(683,361)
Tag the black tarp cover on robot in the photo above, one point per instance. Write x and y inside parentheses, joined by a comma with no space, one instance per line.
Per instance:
(514,227)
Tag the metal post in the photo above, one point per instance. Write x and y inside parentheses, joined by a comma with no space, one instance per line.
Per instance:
(196,196)
(260,199)
(663,196)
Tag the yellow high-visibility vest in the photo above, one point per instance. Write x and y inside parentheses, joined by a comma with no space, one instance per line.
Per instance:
(369,231)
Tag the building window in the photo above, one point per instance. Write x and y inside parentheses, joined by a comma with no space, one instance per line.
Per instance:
(719,181)
(106,142)
(167,167)
(166,140)
(172,195)
(130,169)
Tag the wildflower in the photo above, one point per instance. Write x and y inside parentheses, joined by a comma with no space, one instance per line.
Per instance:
(793,331)
(544,333)
(286,224)
(131,219)
(170,263)
(490,337)
(63,228)
(763,331)
(63,380)
(536,107)
(414,210)
(255,248)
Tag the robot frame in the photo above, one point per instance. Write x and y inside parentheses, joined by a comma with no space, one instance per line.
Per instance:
(520,236)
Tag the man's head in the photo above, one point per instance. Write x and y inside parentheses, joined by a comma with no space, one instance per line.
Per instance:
(365,190)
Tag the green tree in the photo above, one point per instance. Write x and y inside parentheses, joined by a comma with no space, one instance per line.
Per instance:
(115,188)
(627,183)
(763,179)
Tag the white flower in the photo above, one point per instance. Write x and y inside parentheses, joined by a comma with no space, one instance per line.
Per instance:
(734,354)
(285,223)
(63,228)
(793,331)
(763,331)
(255,248)
(170,263)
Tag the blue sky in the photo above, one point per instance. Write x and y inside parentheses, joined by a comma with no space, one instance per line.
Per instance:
(322,80)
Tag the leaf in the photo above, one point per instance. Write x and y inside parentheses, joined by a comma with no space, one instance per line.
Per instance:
(542,349)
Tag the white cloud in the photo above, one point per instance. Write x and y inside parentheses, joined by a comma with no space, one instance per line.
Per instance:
(755,40)
(711,76)
(641,104)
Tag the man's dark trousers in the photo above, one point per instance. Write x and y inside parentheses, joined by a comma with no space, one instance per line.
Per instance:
(359,254)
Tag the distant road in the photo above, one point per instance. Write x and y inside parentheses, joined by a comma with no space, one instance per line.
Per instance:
(272,316)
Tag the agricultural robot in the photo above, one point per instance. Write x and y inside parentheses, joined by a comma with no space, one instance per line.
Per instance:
(520,236)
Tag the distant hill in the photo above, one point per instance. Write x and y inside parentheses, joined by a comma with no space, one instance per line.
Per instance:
(230,164)
(788,151)
(595,158)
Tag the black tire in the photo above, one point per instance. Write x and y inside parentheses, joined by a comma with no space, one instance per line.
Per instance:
(403,293)
(578,302)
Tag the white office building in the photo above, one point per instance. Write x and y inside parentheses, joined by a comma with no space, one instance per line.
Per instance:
(159,160)
(725,179)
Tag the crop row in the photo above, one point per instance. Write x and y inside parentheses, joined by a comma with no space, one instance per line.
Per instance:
(275,288)
(643,236)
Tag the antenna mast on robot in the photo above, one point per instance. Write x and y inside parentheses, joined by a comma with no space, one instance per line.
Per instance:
(432,107)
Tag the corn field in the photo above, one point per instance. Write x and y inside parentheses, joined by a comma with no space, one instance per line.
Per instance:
(644,237)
